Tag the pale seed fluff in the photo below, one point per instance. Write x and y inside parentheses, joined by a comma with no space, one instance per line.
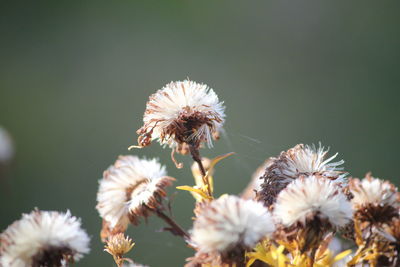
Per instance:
(307,160)
(129,188)
(6,146)
(309,197)
(373,191)
(298,161)
(180,113)
(230,222)
(40,234)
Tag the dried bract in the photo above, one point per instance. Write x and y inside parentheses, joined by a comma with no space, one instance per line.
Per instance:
(118,245)
(43,238)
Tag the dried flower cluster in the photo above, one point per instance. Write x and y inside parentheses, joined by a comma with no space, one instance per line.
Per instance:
(292,209)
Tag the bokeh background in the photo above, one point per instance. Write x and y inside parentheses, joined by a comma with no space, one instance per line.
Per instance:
(75,77)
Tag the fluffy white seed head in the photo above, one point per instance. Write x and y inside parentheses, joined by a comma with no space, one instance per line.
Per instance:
(307,160)
(374,201)
(301,160)
(182,112)
(307,197)
(230,222)
(373,191)
(129,185)
(40,232)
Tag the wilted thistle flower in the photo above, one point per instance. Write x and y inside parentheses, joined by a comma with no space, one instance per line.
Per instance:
(298,161)
(310,207)
(374,200)
(43,238)
(226,227)
(129,189)
(182,113)
(118,245)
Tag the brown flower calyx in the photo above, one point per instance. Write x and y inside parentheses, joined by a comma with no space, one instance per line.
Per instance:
(153,201)
(52,257)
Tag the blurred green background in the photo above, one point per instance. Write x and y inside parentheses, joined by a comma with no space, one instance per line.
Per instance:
(75,77)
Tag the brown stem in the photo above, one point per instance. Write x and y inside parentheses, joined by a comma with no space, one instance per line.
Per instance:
(312,256)
(175,227)
(194,151)
(196,157)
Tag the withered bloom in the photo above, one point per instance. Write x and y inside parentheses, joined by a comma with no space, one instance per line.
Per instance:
(374,201)
(43,238)
(118,245)
(129,189)
(298,161)
(182,114)
(226,227)
(309,208)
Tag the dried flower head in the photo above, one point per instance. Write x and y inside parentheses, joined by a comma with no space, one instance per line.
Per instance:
(298,161)
(180,114)
(374,200)
(131,188)
(43,238)
(310,197)
(118,245)
(6,146)
(309,208)
(227,226)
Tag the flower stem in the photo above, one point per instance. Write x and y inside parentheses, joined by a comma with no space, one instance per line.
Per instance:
(175,228)
(312,256)
(194,151)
